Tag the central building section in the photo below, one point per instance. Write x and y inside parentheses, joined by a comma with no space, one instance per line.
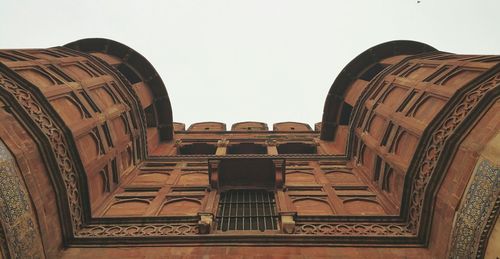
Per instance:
(246,173)
(245,181)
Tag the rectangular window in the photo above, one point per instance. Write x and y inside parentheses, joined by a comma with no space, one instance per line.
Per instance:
(247,210)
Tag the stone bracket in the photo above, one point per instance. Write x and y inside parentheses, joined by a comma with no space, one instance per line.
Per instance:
(288,222)
(213,173)
(205,223)
(279,170)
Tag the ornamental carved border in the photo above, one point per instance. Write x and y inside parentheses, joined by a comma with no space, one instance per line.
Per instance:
(433,152)
(359,229)
(426,168)
(39,115)
(56,139)
(148,230)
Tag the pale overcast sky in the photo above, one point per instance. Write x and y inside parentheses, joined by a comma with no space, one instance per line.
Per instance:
(259,60)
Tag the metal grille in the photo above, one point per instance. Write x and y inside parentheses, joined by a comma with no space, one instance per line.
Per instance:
(247,210)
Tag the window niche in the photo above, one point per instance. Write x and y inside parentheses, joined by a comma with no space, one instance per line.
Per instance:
(246,148)
(197,149)
(297,148)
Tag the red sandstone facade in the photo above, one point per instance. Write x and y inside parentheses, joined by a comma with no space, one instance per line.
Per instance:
(405,162)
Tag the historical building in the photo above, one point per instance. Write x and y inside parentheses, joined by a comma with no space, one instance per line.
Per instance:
(405,162)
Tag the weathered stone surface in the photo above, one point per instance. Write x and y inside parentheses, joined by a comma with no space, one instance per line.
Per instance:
(103,165)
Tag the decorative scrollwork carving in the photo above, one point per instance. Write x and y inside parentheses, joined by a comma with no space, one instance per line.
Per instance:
(150,230)
(67,169)
(438,139)
(352,229)
(54,134)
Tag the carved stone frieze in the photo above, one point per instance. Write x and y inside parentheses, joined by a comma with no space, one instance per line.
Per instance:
(352,229)
(433,150)
(138,230)
(56,139)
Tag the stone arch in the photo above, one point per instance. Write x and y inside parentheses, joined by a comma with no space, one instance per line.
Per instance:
(291,126)
(312,206)
(128,207)
(363,64)
(193,178)
(180,207)
(358,206)
(136,69)
(207,126)
(342,176)
(151,178)
(299,177)
(249,126)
